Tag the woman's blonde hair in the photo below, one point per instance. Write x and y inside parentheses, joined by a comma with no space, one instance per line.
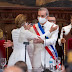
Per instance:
(19,20)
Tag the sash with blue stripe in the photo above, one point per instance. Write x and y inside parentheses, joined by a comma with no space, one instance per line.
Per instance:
(43,32)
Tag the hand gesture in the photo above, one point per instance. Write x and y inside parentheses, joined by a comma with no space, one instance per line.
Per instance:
(38,40)
(63,40)
(8,44)
(27,26)
(53,28)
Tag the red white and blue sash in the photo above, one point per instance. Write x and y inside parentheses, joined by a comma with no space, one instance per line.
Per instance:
(54,56)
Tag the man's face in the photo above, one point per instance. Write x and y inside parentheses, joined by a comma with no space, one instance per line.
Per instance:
(42,14)
(52,19)
(42,17)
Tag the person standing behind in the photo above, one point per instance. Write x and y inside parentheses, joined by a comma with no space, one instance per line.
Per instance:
(66,34)
(52,19)
(66,31)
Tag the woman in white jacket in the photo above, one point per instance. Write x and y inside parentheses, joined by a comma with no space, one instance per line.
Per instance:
(18,53)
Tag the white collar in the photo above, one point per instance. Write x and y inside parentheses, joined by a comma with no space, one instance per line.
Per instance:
(48,24)
(45,24)
(22,28)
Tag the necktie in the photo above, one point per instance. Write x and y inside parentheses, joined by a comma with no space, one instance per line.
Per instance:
(43,27)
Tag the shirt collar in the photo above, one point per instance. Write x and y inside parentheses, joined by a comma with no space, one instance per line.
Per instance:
(45,24)
(22,28)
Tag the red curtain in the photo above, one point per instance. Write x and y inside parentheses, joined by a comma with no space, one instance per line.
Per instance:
(70,44)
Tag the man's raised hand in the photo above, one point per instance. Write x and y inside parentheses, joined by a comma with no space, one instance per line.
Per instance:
(53,28)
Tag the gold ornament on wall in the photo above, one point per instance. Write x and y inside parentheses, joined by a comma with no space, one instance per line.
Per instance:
(1,33)
(69,55)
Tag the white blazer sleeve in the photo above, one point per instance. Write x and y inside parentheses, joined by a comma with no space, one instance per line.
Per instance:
(48,34)
(29,35)
(52,40)
(26,35)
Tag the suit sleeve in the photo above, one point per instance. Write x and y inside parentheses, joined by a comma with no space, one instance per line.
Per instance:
(53,38)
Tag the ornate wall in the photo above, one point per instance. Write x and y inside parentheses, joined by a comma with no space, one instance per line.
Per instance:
(8,14)
(41,2)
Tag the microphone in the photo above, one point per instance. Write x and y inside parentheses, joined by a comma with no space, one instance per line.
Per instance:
(44,68)
(63,47)
(26,43)
(45,37)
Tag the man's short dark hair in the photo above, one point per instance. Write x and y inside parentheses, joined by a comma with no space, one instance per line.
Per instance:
(47,70)
(22,65)
(44,9)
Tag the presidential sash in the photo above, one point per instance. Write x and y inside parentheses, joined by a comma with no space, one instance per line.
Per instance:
(54,56)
